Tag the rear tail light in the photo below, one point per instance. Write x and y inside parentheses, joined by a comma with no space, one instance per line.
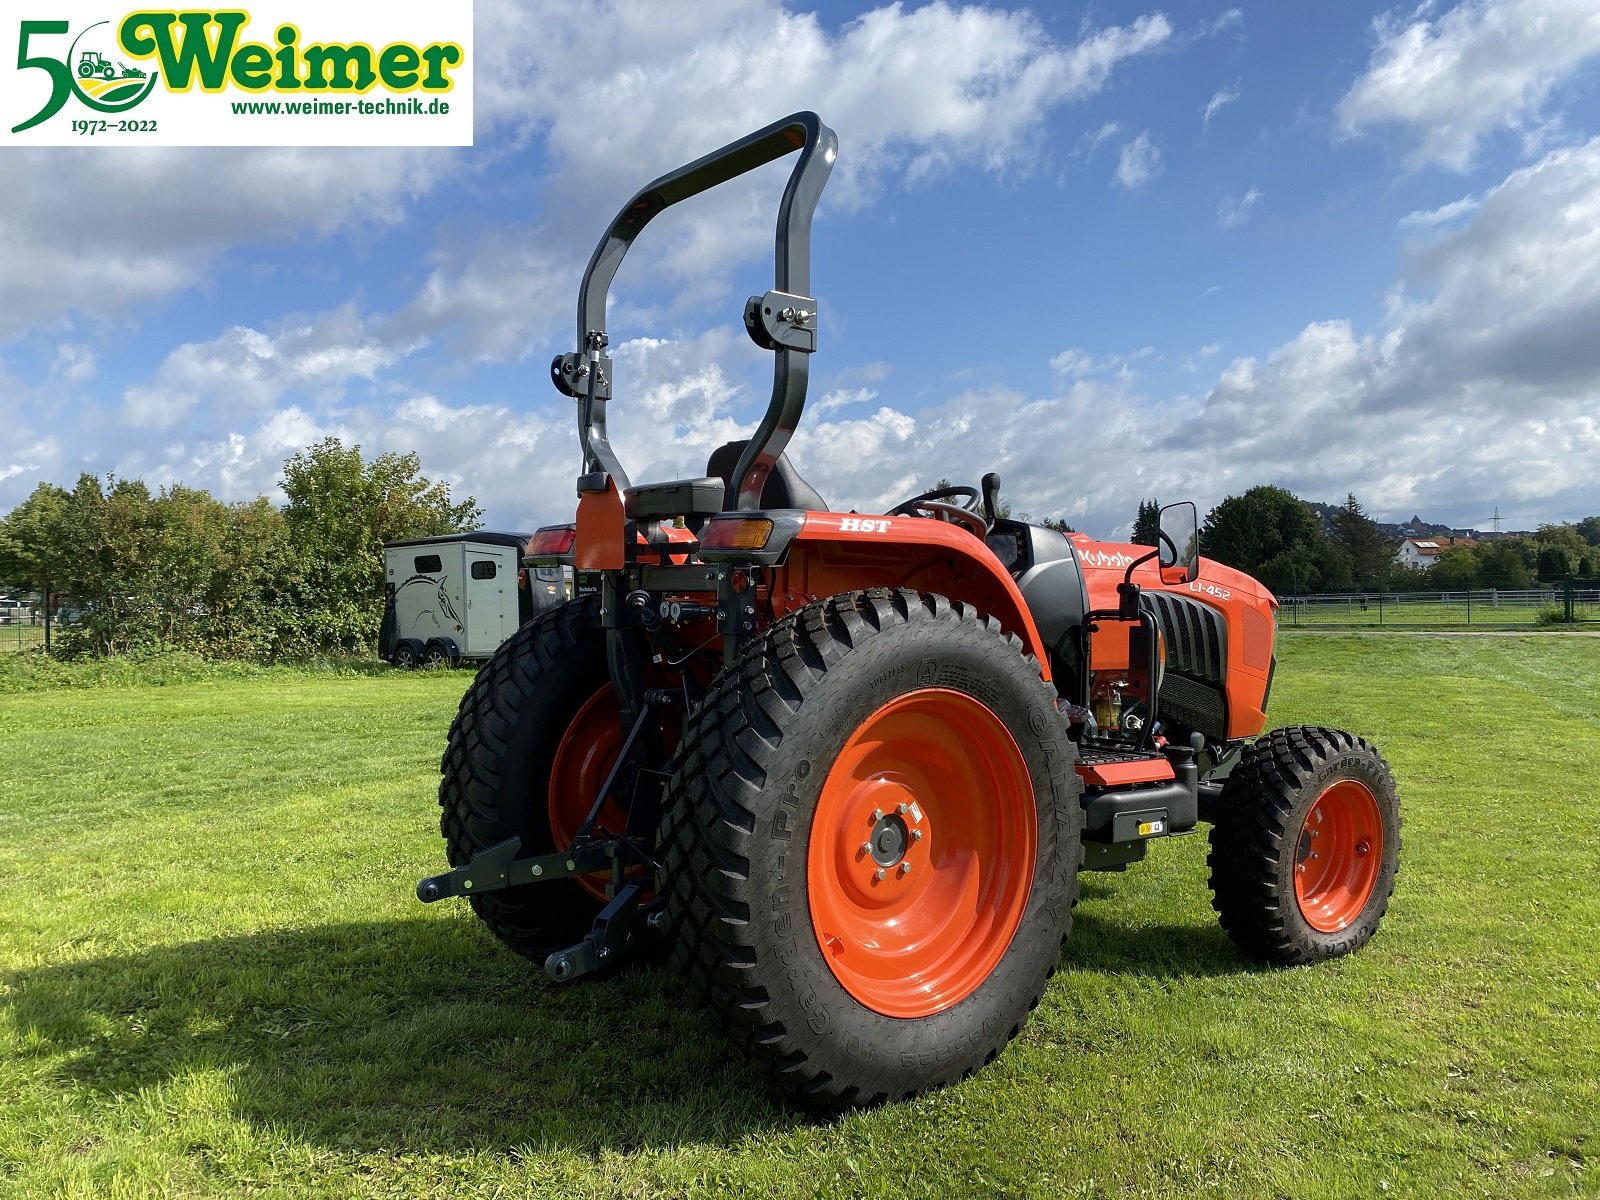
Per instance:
(748,533)
(552,544)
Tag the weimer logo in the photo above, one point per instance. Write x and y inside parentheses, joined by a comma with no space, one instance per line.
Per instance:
(231,77)
(88,72)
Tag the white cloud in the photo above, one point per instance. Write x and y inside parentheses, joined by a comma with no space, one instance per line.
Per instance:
(1484,66)
(1139,162)
(1220,99)
(176,213)
(1090,142)
(1229,18)
(1443,215)
(244,372)
(74,363)
(1233,213)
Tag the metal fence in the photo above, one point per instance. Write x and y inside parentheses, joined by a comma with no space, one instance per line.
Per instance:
(1489,608)
(20,633)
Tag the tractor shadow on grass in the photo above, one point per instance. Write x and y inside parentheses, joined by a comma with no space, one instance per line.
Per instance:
(408,1035)
(424,1035)
(1105,941)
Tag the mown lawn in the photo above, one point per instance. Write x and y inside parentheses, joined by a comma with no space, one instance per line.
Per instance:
(214,979)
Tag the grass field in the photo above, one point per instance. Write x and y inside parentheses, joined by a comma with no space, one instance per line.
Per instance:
(214,979)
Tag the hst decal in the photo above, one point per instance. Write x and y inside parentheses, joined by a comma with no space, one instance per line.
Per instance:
(862,525)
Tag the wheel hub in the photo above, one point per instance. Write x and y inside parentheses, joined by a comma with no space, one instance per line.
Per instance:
(921,853)
(1334,867)
(889,840)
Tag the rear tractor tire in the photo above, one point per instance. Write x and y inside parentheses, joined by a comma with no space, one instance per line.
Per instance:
(872,846)
(531,745)
(1305,846)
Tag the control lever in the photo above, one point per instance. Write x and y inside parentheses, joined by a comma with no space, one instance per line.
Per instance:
(991,496)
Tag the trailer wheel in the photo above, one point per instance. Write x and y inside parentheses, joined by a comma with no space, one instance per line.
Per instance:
(501,758)
(406,657)
(439,654)
(872,846)
(1305,846)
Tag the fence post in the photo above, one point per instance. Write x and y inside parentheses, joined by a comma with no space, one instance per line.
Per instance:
(1469,606)
(1568,598)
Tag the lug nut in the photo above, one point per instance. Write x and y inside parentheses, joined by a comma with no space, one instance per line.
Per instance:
(905,868)
(903,809)
(916,835)
(866,847)
(877,814)
(879,874)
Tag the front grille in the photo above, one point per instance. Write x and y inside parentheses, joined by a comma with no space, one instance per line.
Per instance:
(1192,689)
(1197,639)
(1197,706)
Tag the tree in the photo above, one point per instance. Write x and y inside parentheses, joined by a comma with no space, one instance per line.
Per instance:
(1147,524)
(1560,548)
(1368,551)
(1501,565)
(1455,570)
(1589,530)
(30,540)
(341,511)
(1272,534)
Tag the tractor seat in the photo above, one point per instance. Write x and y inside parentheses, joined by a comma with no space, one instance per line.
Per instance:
(784,487)
(694,499)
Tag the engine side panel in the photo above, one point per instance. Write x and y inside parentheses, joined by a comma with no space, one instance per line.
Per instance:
(1238,640)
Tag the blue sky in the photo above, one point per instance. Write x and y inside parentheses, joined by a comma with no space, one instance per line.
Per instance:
(1111,251)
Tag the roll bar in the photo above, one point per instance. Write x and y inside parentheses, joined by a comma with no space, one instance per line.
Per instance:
(783,321)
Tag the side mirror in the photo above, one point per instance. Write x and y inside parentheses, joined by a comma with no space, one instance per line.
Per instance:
(1179,543)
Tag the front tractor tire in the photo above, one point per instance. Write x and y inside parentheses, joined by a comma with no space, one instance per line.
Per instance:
(526,755)
(1305,845)
(872,846)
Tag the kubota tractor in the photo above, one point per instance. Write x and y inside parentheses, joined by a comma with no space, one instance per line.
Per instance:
(847,767)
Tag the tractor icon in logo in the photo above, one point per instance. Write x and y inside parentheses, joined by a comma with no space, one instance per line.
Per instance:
(95,63)
(101,83)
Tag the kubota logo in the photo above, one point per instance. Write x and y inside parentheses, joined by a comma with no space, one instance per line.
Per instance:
(1103,558)
(227,77)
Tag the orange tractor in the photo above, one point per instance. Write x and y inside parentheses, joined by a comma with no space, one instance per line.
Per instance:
(846,768)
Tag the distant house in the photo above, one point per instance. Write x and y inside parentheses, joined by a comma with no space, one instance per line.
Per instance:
(1424,552)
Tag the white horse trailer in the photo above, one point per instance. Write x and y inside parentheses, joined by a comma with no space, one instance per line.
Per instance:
(455,598)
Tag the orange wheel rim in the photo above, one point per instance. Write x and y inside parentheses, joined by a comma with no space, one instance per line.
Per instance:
(583,761)
(1337,855)
(922,852)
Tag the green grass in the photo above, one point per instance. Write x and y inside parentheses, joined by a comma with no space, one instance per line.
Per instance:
(214,979)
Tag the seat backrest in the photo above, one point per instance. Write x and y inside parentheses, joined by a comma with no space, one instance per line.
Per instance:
(784,487)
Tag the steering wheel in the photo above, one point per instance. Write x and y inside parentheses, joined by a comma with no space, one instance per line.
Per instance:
(935,504)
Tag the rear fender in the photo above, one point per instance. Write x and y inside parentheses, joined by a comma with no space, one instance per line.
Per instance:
(845,552)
